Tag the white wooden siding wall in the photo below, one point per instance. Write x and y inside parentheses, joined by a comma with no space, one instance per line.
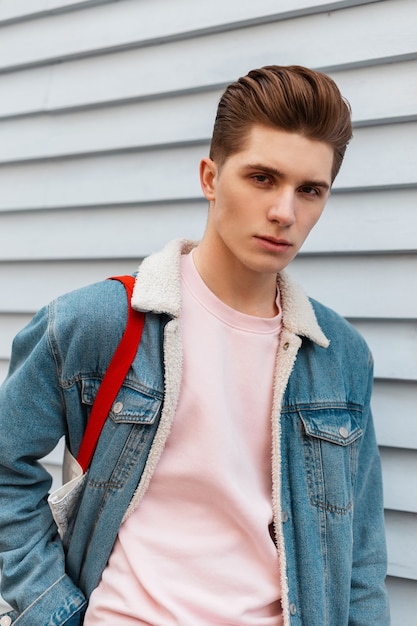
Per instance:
(106,108)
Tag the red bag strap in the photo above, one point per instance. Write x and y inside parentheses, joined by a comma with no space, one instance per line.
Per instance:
(114,376)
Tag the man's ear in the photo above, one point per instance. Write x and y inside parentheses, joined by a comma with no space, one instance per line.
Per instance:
(208,173)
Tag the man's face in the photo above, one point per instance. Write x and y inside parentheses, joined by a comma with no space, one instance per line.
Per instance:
(265,199)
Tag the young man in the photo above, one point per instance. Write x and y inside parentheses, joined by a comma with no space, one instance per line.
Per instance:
(237,478)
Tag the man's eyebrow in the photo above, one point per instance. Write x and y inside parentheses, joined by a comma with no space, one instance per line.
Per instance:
(317,183)
(267,169)
(273,171)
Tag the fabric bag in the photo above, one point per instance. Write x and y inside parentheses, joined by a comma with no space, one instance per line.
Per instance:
(62,501)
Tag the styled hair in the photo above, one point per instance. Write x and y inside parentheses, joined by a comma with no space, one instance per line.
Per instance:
(291,98)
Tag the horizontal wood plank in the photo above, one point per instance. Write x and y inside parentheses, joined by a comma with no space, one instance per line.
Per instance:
(403,599)
(190,63)
(361,285)
(368,159)
(366,221)
(379,92)
(394,406)
(17,10)
(397,468)
(147,176)
(394,347)
(130,23)
(402,544)
(25,288)
(124,231)
(177,120)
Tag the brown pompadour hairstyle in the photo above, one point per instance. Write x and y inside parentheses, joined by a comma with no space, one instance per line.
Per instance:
(290,98)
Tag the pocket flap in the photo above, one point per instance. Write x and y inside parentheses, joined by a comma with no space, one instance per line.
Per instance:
(131,405)
(337,425)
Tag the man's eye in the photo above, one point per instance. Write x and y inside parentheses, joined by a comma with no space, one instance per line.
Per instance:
(261,178)
(310,191)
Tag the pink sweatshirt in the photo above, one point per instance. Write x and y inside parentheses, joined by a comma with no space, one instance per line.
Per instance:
(197,550)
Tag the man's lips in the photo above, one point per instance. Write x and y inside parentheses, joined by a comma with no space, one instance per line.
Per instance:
(273,242)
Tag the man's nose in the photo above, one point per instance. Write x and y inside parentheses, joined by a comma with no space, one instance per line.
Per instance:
(282,209)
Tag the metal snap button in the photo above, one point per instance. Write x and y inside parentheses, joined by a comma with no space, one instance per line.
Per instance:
(343,432)
(284,517)
(293,609)
(118,407)
(6,620)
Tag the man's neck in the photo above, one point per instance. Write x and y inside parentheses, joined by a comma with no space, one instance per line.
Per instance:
(249,292)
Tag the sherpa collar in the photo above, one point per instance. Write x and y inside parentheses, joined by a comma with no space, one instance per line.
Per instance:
(157,289)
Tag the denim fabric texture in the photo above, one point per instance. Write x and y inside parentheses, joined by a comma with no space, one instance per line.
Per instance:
(327,476)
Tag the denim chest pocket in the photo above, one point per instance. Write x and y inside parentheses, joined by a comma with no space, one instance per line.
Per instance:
(331,445)
(131,405)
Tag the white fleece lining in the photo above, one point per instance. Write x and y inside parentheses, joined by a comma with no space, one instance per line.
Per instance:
(158,290)
(173,369)
(287,353)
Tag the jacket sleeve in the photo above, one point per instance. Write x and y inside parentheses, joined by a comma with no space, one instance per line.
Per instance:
(32,420)
(369,600)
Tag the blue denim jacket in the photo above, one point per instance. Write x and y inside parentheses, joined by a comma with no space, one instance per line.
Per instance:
(327,492)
